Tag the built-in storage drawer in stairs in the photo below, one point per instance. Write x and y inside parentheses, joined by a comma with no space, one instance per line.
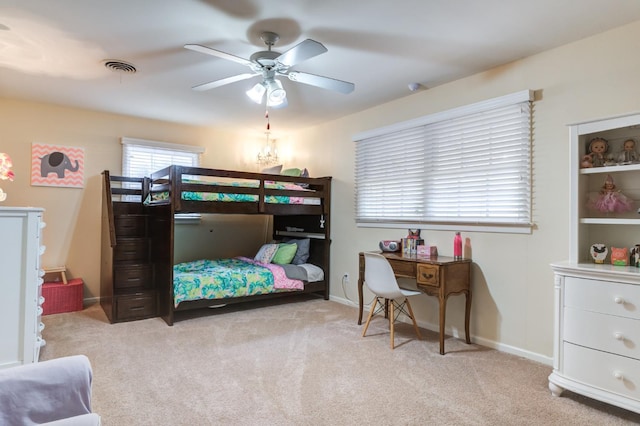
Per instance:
(131,225)
(127,287)
(136,306)
(134,276)
(131,250)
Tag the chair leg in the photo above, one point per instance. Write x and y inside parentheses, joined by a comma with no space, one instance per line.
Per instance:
(373,308)
(391,321)
(413,318)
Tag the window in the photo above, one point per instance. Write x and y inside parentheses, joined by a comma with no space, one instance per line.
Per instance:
(464,168)
(141,158)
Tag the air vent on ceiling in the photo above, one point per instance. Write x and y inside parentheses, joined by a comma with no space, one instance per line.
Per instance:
(120,66)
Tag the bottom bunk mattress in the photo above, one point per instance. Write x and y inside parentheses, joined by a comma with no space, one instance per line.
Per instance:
(237,277)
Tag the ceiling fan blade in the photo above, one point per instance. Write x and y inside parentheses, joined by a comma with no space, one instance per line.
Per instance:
(218,83)
(301,52)
(323,82)
(209,51)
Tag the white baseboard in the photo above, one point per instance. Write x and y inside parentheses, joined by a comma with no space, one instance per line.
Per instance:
(543,359)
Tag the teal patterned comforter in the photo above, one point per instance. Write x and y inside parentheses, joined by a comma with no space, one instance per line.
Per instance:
(234,197)
(219,279)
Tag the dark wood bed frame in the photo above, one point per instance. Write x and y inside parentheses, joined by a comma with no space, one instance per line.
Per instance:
(138,237)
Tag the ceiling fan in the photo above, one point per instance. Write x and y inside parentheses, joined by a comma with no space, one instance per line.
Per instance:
(269,64)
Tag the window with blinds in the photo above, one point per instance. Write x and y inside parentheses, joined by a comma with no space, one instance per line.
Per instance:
(141,157)
(467,166)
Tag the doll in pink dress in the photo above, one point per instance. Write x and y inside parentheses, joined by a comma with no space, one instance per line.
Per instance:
(610,199)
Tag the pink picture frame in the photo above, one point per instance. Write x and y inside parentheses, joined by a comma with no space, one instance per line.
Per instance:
(56,165)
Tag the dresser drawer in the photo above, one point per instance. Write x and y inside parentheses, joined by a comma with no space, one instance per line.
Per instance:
(612,373)
(428,275)
(131,249)
(608,333)
(132,276)
(135,306)
(602,296)
(130,226)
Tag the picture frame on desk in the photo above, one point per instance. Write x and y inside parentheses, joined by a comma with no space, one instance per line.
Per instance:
(427,251)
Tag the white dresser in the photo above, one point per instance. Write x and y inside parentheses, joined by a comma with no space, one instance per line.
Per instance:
(597,305)
(21,284)
(597,340)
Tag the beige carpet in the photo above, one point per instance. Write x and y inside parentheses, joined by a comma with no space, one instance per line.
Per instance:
(305,363)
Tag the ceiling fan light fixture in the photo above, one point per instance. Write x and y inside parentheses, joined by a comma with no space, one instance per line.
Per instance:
(256,93)
(275,92)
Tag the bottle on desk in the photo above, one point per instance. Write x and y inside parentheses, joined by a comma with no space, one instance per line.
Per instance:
(457,246)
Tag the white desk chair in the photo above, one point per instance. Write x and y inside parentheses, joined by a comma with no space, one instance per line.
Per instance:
(380,279)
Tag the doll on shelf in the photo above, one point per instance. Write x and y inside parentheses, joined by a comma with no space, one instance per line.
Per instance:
(628,154)
(596,157)
(610,199)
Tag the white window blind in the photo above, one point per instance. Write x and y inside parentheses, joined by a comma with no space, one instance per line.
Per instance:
(142,157)
(470,165)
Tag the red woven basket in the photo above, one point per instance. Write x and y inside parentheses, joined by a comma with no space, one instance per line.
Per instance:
(59,297)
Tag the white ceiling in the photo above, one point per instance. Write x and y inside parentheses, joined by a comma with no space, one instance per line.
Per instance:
(53,51)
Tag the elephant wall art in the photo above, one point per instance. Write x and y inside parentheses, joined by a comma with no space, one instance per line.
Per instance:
(54,165)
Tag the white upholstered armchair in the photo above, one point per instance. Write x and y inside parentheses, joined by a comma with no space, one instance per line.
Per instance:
(54,392)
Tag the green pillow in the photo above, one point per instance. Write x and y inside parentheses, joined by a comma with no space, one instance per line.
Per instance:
(285,254)
(291,172)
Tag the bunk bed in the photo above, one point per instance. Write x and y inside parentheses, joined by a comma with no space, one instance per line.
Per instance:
(138,275)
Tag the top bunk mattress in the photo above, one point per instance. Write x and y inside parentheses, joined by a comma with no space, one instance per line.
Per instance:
(234,197)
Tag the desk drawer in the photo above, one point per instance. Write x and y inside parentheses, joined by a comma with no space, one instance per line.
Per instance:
(428,275)
(403,269)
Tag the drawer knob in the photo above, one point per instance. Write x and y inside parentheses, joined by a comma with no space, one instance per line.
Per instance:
(618,375)
(427,276)
(619,336)
(619,300)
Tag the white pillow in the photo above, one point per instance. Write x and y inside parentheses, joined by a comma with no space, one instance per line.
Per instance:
(274,170)
(314,273)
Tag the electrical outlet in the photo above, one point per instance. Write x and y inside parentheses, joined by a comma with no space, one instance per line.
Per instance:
(345,277)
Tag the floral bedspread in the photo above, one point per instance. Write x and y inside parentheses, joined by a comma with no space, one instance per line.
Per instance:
(231,197)
(223,278)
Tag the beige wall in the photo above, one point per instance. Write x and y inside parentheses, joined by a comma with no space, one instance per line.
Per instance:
(512,281)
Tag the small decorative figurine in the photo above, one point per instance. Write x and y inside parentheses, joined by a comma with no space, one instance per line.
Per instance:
(596,157)
(634,257)
(599,252)
(628,154)
(610,199)
(619,256)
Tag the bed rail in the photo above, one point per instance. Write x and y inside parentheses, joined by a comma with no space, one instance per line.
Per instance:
(174,184)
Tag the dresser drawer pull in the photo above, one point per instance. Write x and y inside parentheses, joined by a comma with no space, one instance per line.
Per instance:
(427,276)
(619,300)
(618,375)
(619,336)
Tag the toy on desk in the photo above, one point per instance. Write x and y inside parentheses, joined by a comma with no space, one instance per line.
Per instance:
(390,245)
(610,199)
(599,252)
(628,155)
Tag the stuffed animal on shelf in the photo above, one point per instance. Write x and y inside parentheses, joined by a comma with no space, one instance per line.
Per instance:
(599,252)
(610,199)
